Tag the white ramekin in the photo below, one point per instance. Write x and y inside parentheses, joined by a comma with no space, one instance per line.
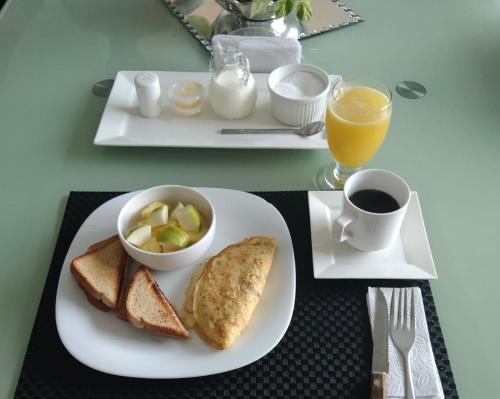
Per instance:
(298,111)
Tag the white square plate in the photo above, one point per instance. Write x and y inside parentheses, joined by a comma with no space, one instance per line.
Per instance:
(101,341)
(122,124)
(409,257)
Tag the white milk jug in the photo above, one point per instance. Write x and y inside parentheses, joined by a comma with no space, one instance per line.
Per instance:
(232,92)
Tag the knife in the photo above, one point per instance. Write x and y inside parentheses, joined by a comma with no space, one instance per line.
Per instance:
(380,359)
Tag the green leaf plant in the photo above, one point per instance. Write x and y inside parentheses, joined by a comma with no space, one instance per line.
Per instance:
(302,8)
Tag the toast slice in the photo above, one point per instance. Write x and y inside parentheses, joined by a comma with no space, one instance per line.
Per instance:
(102,243)
(147,307)
(100,272)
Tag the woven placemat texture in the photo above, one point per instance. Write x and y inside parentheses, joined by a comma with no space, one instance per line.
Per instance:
(326,352)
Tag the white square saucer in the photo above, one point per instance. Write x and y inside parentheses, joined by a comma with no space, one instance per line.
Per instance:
(409,257)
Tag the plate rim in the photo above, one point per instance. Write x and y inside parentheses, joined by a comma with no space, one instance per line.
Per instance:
(260,354)
(325,271)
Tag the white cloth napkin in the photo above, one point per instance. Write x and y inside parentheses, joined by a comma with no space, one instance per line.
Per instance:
(265,53)
(425,375)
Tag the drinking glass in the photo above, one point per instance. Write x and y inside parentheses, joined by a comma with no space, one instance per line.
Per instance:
(357,119)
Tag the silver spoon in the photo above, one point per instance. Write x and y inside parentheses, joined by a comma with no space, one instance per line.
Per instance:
(305,131)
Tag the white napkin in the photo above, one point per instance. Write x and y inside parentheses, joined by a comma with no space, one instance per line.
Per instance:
(265,53)
(425,375)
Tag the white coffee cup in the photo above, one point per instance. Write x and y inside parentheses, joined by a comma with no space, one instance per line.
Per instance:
(370,230)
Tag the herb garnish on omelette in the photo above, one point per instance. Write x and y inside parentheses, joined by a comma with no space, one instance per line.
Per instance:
(222,298)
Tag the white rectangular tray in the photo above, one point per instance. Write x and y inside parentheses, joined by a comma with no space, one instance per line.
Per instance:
(409,257)
(122,125)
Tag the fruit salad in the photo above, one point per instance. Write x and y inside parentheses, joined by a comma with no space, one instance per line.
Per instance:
(162,231)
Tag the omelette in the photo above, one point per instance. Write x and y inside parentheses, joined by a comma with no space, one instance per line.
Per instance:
(223,294)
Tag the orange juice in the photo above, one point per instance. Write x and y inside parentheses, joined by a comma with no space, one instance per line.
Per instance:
(356,124)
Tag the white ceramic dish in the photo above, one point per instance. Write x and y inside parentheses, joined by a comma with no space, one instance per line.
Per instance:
(167,261)
(289,102)
(103,342)
(409,257)
(122,125)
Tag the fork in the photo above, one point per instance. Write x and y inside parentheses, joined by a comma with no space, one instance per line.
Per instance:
(402,326)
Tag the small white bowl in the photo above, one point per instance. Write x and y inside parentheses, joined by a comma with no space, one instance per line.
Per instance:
(170,194)
(292,104)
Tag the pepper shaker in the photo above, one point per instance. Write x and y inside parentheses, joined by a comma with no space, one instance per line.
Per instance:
(147,86)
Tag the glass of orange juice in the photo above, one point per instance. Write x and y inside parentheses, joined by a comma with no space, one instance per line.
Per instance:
(357,119)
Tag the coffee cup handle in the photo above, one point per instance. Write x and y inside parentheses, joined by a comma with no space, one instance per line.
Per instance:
(340,224)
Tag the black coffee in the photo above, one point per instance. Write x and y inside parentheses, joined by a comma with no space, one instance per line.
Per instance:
(375,201)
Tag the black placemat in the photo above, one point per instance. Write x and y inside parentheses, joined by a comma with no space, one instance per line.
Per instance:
(326,351)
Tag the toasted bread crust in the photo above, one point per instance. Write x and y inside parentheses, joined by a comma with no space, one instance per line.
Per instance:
(121,311)
(98,304)
(103,243)
(139,321)
(98,300)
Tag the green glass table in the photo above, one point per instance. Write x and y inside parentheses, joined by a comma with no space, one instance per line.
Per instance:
(444,144)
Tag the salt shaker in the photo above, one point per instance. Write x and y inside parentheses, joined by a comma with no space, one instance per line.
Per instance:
(147,86)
